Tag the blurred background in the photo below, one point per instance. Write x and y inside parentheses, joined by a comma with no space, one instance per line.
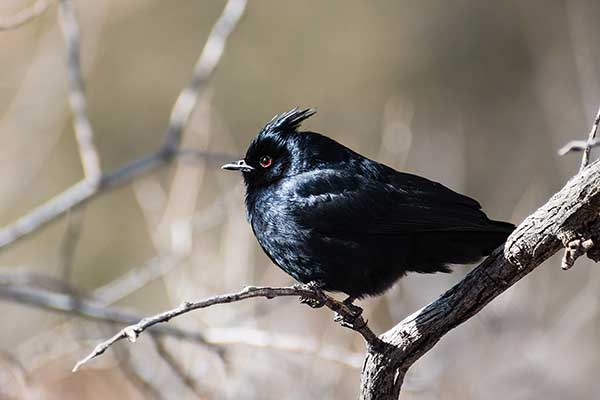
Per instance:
(476,95)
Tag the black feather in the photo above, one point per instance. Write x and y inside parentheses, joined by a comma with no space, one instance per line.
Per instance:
(325,213)
(289,121)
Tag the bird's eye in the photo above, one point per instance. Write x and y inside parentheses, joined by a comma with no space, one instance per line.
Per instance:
(266,161)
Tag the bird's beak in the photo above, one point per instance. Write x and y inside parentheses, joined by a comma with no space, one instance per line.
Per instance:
(238,166)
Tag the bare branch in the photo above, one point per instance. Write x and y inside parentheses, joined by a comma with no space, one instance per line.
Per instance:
(69,242)
(177,369)
(348,314)
(203,71)
(282,342)
(135,376)
(541,235)
(81,122)
(90,309)
(585,160)
(583,145)
(573,250)
(76,195)
(24,16)
(85,190)
(576,146)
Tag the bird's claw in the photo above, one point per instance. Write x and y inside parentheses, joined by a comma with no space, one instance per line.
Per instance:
(355,310)
(350,316)
(354,321)
(313,301)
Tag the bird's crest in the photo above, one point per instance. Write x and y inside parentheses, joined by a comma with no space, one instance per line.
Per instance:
(289,121)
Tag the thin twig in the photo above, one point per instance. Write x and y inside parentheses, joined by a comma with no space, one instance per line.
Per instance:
(585,160)
(348,315)
(576,146)
(69,242)
(584,145)
(85,190)
(24,16)
(81,122)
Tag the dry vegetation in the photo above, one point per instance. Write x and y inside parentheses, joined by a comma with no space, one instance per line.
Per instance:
(477,96)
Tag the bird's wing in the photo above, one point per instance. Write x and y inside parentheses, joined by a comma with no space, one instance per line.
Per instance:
(331,201)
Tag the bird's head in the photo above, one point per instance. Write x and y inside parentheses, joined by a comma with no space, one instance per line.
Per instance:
(279,150)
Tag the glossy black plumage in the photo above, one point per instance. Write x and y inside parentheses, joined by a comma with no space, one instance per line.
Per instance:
(324,213)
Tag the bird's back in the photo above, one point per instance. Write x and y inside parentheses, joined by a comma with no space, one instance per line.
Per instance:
(358,230)
(325,213)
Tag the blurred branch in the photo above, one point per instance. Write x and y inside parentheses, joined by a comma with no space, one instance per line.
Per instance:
(90,309)
(132,373)
(346,314)
(567,214)
(582,145)
(81,122)
(69,242)
(177,369)
(283,342)
(203,71)
(85,190)
(24,16)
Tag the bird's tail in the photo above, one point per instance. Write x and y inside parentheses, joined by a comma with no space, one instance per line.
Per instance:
(501,226)
(435,251)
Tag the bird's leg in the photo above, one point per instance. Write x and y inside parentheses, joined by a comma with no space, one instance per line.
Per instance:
(349,302)
(315,301)
(350,315)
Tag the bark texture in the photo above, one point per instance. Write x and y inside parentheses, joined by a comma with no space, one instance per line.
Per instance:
(569,216)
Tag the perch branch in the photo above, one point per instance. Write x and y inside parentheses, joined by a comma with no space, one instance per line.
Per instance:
(348,315)
(573,209)
(24,16)
(85,190)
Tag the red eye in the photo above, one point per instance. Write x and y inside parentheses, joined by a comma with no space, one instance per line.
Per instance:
(266,161)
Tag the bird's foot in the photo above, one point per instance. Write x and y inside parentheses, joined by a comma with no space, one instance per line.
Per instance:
(351,316)
(355,322)
(316,300)
(355,310)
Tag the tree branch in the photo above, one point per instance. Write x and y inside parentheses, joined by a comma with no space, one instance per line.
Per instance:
(568,213)
(90,309)
(81,122)
(203,71)
(583,145)
(316,298)
(24,16)
(585,160)
(576,146)
(85,190)
(572,210)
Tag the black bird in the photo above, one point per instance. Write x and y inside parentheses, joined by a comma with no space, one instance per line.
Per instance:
(329,216)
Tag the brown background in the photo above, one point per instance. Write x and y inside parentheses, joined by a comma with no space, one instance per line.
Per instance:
(477,95)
